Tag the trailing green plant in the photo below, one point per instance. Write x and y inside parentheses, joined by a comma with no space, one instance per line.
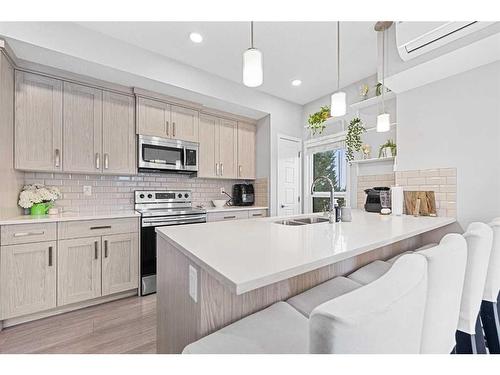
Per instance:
(391,144)
(353,137)
(317,120)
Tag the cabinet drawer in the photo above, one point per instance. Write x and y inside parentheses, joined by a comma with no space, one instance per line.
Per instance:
(27,233)
(231,215)
(90,228)
(254,214)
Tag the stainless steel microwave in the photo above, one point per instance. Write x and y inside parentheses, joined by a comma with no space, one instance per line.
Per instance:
(162,154)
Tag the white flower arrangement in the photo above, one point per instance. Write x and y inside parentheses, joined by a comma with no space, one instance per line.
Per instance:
(38,193)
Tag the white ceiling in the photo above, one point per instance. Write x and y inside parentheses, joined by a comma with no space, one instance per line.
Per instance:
(292,50)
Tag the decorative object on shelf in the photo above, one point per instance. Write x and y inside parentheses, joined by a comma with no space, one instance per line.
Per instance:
(353,137)
(317,120)
(365,89)
(378,89)
(383,119)
(366,149)
(339,98)
(388,149)
(253,74)
(38,198)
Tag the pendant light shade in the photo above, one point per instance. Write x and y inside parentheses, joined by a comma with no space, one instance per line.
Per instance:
(383,122)
(253,74)
(338,105)
(253,71)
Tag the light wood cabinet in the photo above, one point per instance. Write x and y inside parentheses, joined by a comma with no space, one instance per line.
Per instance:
(82,128)
(153,117)
(184,124)
(27,278)
(246,150)
(228,148)
(78,270)
(38,123)
(120,261)
(118,134)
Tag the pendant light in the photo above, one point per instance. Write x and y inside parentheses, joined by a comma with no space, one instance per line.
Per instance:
(339,98)
(252,64)
(383,119)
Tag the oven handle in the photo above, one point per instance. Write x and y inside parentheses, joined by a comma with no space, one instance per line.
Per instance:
(173,222)
(176,220)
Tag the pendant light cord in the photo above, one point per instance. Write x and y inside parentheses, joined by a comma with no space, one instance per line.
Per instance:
(383,71)
(251,34)
(338,55)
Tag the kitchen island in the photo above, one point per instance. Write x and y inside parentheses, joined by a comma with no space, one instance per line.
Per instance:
(210,275)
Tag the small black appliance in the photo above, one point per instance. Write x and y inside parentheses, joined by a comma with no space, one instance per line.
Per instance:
(243,195)
(377,198)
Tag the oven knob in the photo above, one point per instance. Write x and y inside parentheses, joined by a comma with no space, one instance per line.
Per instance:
(141,196)
(179,196)
(150,196)
(186,195)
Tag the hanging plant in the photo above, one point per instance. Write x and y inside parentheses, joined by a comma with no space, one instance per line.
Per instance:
(353,137)
(317,120)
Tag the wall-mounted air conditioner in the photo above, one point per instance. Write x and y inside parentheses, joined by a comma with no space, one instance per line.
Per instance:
(416,38)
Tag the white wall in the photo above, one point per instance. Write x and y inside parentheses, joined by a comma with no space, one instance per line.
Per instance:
(455,122)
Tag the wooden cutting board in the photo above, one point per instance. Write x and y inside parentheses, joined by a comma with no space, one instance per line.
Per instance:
(427,202)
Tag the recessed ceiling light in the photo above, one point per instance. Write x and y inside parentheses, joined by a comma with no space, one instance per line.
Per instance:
(196,37)
(296,82)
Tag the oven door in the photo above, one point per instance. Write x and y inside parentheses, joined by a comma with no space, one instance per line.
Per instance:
(167,154)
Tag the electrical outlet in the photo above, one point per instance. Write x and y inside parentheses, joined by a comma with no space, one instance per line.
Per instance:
(87,190)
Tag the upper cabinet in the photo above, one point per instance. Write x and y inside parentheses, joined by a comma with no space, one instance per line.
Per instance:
(99,130)
(160,119)
(246,150)
(209,144)
(38,123)
(228,148)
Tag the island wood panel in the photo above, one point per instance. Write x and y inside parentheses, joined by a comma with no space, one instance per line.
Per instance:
(182,321)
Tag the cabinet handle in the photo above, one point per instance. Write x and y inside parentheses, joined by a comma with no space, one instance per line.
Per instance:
(58,158)
(97,160)
(221,169)
(101,227)
(173,129)
(25,234)
(105,248)
(96,249)
(230,217)
(256,214)
(166,126)
(50,256)
(106,161)
(217,169)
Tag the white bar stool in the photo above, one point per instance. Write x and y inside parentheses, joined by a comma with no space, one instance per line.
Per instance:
(491,296)
(385,316)
(469,336)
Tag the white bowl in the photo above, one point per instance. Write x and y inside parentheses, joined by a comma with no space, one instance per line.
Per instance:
(219,203)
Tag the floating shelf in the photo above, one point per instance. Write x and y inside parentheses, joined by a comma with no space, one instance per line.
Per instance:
(372,101)
(374,128)
(373,160)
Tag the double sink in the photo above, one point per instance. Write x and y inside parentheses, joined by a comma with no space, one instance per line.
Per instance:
(303,221)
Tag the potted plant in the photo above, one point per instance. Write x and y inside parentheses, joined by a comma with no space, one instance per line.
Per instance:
(353,137)
(378,89)
(364,90)
(38,198)
(388,149)
(317,120)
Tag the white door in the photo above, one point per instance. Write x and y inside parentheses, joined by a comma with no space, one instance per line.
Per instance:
(289,151)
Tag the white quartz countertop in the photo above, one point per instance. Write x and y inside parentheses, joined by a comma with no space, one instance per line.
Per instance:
(249,254)
(234,208)
(67,216)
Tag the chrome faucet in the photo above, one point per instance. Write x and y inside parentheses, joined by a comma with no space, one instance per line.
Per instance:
(331,207)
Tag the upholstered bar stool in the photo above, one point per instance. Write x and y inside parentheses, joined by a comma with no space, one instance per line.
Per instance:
(491,296)
(385,316)
(469,336)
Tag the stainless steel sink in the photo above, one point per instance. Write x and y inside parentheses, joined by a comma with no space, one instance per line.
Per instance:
(303,221)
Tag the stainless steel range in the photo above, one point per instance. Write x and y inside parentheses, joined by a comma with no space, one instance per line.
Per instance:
(158,209)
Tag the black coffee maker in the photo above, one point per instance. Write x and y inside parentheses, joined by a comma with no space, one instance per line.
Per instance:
(377,198)
(243,195)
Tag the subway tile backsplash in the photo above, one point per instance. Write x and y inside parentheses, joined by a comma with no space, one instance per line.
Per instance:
(115,193)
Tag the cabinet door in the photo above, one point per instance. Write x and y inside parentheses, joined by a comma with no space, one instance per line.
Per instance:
(78,270)
(228,148)
(82,128)
(38,122)
(153,118)
(118,134)
(209,147)
(246,150)
(184,124)
(27,278)
(120,263)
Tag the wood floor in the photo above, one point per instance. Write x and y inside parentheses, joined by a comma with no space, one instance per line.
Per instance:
(123,326)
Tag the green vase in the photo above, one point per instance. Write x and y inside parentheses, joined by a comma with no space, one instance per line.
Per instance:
(39,209)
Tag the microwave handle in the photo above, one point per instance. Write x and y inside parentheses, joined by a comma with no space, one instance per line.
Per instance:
(184,156)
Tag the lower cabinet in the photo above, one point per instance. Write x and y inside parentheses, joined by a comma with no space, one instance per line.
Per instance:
(27,278)
(236,215)
(78,270)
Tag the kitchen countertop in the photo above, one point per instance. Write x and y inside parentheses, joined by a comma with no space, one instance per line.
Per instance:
(249,254)
(67,216)
(234,208)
